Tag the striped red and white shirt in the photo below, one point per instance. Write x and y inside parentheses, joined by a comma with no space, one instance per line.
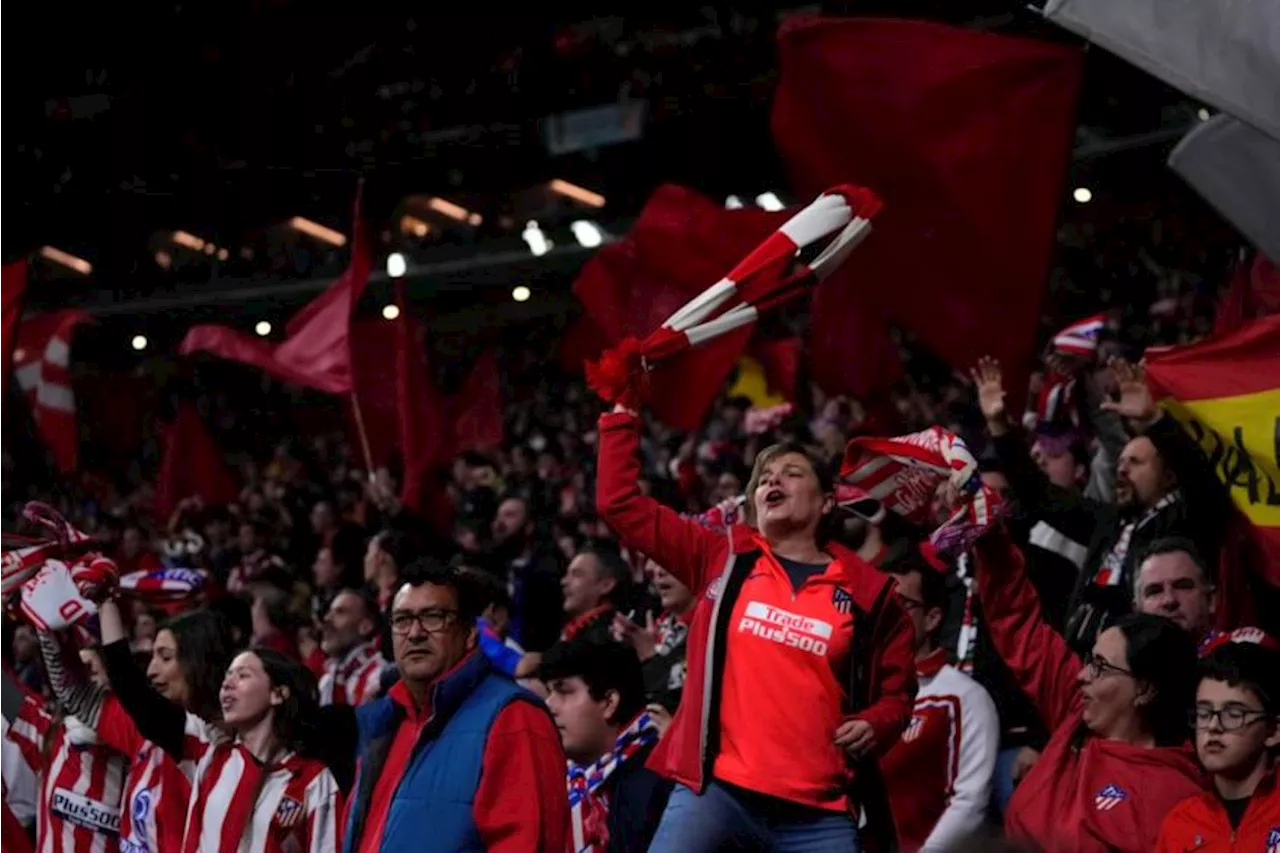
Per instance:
(81,782)
(157,789)
(295,807)
(354,679)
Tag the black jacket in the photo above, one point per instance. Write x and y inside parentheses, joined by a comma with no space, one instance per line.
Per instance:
(1200,515)
(637,798)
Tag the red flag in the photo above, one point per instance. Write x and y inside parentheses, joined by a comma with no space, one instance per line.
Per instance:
(780,359)
(1225,391)
(42,365)
(477,407)
(317,352)
(373,357)
(421,421)
(681,244)
(965,135)
(14,286)
(192,466)
(1254,292)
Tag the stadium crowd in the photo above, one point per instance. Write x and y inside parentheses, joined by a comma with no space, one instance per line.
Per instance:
(632,638)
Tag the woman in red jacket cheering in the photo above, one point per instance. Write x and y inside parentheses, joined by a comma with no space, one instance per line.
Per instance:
(762,743)
(1119,757)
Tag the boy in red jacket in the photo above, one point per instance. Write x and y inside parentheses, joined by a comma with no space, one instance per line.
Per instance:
(1237,720)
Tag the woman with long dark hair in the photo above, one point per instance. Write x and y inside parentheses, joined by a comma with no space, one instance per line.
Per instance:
(800,662)
(160,728)
(1119,755)
(258,791)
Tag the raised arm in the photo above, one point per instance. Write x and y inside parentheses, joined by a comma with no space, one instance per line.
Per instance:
(680,545)
(159,720)
(1038,656)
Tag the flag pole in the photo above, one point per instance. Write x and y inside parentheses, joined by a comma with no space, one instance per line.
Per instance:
(364,434)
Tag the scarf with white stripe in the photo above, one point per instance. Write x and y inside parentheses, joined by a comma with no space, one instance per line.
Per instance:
(1058,402)
(757,284)
(588,803)
(1111,572)
(904,473)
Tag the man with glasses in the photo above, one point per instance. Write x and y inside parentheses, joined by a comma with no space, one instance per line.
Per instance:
(455,756)
(939,774)
(1237,721)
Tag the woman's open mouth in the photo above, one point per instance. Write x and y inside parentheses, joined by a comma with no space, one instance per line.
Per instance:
(774,497)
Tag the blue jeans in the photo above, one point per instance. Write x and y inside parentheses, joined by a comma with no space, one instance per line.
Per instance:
(1002,780)
(720,820)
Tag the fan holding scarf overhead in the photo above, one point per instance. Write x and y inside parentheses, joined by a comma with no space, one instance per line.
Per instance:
(706,335)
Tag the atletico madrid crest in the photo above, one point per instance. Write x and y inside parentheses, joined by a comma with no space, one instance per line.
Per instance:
(288,813)
(842,601)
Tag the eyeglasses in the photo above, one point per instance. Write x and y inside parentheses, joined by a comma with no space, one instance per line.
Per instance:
(1232,718)
(1099,666)
(431,621)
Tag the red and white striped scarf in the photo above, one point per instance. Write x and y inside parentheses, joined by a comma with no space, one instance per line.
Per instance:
(588,804)
(905,473)
(1057,402)
(757,284)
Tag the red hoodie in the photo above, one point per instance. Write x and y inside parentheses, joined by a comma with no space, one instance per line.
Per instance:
(1201,824)
(767,664)
(1085,793)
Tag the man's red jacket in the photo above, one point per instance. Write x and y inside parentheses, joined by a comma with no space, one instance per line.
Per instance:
(766,686)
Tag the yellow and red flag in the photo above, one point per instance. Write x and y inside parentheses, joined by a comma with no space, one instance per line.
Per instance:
(1225,391)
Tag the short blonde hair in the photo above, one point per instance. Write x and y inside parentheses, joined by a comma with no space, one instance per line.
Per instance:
(825,481)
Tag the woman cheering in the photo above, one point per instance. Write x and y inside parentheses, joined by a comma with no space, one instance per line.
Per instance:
(257,793)
(1119,756)
(790,634)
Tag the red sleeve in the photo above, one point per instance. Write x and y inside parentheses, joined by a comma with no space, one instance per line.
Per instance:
(1045,668)
(15,837)
(894,674)
(681,546)
(522,802)
(116,728)
(30,730)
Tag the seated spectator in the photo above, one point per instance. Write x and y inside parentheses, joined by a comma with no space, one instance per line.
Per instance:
(455,756)
(597,700)
(939,775)
(1237,718)
(349,640)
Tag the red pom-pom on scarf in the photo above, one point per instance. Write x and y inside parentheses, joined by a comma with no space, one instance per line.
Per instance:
(618,377)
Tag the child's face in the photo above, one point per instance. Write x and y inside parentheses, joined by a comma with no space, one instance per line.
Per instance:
(1221,749)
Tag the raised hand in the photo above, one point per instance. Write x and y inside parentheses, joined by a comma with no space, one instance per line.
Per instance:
(989,380)
(1135,401)
(644,639)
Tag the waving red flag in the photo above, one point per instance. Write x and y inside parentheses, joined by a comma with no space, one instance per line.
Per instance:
(192,466)
(966,136)
(317,352)
(42,365)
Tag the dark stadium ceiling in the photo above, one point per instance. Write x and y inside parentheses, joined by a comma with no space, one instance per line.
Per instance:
(125,125)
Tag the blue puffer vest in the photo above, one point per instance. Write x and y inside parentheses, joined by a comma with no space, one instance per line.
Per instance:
(431,808)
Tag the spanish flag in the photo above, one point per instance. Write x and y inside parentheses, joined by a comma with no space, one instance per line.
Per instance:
(1225,391)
